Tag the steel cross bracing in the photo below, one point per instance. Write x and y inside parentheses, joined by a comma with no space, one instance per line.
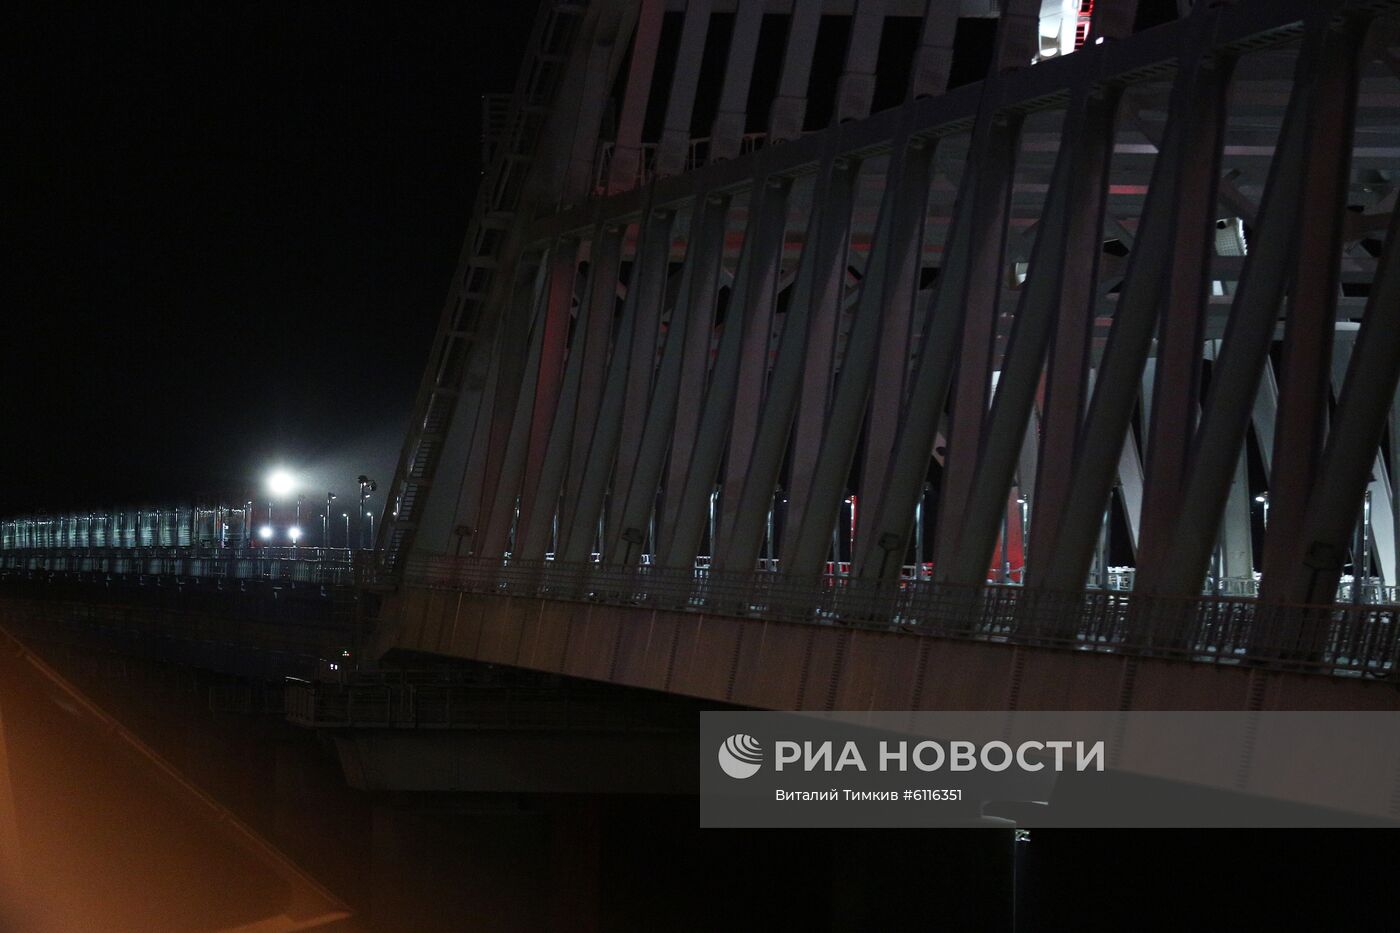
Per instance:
(1086,309)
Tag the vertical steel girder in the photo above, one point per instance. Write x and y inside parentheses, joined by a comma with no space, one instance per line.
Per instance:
(815,290)
(636,330)
(728,131)
(1067,376)
(537,509)
(647,288)
(1243,356)
(825,270)
(1181,333)
(690,322)
(503,505)
(985,230)
(680,103)
(747,319)
(1234,539)
(757,294)
(1018,35)
(933,60)
(512,369)
(600,305)
(704,261)
(1064,550)
(540,501)
(856,89)
(607,34)
(624,169)
(788,112)
(961,320)
(1358,423)
(1058,288)
(1381,519)
(889,281)
(898,285)
(1305,373)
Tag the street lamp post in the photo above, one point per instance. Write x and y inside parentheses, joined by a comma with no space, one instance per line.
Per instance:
(367,486)
(346,516)
(326,523)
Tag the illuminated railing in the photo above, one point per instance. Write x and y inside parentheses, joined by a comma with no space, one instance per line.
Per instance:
(1347,640)
(335,566)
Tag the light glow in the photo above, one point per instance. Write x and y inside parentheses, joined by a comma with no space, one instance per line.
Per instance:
(281,483)
(294,533)
(265,532)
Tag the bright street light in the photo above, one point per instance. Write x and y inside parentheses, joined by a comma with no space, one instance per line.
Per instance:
(294,533)
(265,532)
(281,483)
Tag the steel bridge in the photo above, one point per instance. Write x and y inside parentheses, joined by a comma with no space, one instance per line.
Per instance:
(803,344)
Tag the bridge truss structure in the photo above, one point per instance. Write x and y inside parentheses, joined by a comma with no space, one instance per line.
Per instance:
(973,293)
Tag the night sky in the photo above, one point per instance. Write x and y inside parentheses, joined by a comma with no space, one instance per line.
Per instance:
(230,229)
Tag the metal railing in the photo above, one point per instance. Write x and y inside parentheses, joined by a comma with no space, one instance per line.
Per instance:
(1342,639)
(330,566)
(392,705)
(697,155)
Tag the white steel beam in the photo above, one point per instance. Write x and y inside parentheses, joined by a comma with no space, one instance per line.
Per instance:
(680,103)
(728,131)
(624,170)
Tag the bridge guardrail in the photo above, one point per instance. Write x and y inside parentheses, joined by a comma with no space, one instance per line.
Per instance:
(1342,639)
(386,705)
(331,566)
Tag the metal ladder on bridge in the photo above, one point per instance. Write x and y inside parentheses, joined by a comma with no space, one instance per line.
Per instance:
(497,200)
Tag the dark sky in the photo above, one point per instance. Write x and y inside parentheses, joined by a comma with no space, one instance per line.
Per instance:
(229,232)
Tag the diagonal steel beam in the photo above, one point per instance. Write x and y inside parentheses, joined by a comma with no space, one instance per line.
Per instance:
(1067,546)
(636,329)
(1055,301)
(893,255)
(1181,326)
(1310,136)
(749,308)
(1305,374)
(1358,424)
(813,294)
(704,249)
